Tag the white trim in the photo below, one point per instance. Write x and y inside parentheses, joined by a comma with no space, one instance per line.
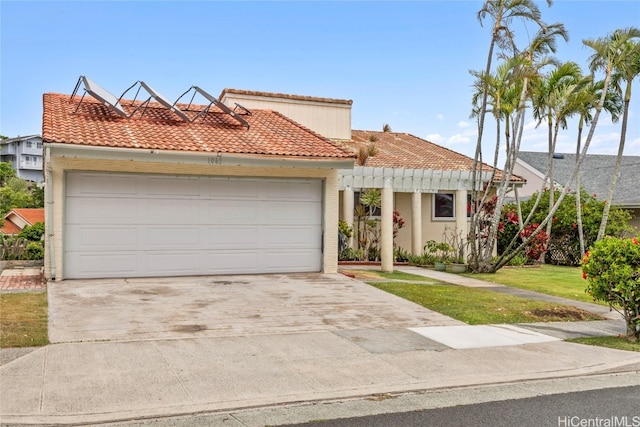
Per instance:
(197,158)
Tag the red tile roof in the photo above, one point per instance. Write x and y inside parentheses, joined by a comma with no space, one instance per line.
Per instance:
(403,150)
(9,228)
(31,216)
(270,133)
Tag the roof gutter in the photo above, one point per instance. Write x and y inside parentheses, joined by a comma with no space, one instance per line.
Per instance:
(197,158)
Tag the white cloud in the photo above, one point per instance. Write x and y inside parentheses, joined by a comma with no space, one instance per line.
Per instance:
(440,116)
(463,124)
(435,138)
(458,139)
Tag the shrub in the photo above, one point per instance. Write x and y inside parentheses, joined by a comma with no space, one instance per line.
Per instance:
(33,251)
(563,243)
(33,232)
(612,269)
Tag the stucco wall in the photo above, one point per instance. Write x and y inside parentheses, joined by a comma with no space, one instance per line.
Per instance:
(431,229)
(62,164)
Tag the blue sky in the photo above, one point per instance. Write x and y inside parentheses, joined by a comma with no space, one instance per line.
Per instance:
(402,63)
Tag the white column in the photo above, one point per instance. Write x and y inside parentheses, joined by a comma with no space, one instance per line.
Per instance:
(347,210)
(461,215)
(416,222)
(386,227)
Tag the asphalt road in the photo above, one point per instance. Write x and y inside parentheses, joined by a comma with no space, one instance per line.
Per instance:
(618,407)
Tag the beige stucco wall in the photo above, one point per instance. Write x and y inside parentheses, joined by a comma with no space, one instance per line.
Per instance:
(330,120)
(534,181)
(62,164)
(431,229)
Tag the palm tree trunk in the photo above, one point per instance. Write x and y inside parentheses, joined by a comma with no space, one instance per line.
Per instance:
(616,171)
(578,191)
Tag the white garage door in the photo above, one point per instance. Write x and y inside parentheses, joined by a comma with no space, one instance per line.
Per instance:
(134,225)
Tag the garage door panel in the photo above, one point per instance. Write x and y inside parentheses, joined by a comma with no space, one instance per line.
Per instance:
(92,184)
(294,261)
(233,189)
(101,210)
(230,237)
(172,262)
(171,237)
(231,261)
(104,238)
(190,225)
(172,212)
(290,213)
(105,264)
(292,190)
(290,237)
(173,187)
(232,212)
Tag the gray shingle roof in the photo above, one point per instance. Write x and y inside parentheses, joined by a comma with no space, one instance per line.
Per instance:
(595,174)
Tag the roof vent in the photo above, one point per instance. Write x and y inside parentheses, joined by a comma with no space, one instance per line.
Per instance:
(558,156)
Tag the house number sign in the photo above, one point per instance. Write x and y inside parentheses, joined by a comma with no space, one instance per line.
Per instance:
(215,160)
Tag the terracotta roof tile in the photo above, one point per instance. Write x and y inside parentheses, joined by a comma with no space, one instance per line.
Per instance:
(31,215)
(9,228)
(403,150)
(93,124)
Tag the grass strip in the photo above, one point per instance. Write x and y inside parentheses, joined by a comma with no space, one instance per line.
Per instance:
(23,319)
(618,343)
(478,306)
(566,282)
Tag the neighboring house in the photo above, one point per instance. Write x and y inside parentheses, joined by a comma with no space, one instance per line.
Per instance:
(25,155)
(428,184)
(17,219)
(596,172)
(185,191)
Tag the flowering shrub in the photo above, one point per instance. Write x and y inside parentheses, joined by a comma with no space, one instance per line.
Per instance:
(538,245)
(612,268)
(564,242)
(398,223)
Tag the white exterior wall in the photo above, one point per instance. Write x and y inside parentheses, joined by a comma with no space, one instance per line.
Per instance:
(331,120)
(55,211)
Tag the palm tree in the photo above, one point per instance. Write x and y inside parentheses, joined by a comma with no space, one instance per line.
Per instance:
(502,13)
(586,101)
(534,60)
(553,100)
(386,128)
(620,53)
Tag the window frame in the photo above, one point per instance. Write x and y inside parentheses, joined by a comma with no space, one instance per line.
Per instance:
(434,203)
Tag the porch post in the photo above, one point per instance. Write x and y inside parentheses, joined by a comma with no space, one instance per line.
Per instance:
(416,222)
(347,210)
(386,227)
(461,215)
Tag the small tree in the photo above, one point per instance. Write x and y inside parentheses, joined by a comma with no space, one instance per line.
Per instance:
(612,269)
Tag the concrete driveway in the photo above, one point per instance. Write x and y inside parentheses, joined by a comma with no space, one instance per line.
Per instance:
(221,306)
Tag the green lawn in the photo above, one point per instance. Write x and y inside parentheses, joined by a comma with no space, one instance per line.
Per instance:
(479,306)
(555,280)
(23,319)
(619,343)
